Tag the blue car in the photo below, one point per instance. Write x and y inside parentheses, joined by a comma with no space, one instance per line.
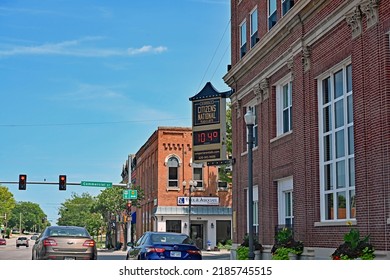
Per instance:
(163,246)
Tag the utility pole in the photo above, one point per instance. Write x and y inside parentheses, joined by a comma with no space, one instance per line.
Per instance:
(128,233)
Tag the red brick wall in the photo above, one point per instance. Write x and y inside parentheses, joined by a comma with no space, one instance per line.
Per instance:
(152,173)
(297,154)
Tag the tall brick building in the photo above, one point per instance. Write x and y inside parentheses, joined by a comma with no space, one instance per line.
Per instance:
(317,75)
(160,167)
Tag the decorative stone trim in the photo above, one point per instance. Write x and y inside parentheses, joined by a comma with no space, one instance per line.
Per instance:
(354,20)
(370,10)
(238,108)
(306,58)
(257,91)
(264,86)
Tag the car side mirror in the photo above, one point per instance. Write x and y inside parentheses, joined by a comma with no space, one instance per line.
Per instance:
(130,244)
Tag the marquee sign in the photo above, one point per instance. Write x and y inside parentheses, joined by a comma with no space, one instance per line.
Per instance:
(208,125)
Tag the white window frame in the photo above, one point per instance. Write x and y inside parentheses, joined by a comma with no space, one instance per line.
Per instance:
(333,159)
(280,108)
(285,185)
(254,26)
(177,170)
(285,12)
(270,13)
(243,40)
(200,184)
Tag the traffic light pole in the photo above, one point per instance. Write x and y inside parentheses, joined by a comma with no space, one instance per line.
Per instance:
(53,183)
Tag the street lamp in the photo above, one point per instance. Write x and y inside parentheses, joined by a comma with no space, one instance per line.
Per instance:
(250,122)
(192,184)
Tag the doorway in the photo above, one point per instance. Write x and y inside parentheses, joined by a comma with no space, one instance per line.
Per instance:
(197,235)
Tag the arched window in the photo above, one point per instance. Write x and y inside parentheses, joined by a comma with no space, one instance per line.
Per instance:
(173,172)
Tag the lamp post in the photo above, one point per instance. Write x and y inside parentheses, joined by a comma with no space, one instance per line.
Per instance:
(192,184)
(250,122)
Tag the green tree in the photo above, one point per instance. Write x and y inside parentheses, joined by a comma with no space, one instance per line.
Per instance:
(7,204)
(79,211)
(225,171)
(28,216)
(110,203)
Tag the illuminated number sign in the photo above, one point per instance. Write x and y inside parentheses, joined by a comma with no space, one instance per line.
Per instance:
(204,137)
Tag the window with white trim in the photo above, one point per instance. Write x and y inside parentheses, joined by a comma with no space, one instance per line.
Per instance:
(272,13)
(285,202)
(284,106)
(173,172)
(243,49)
(254,28)
(337,156)
(253,108)
(198,174)
(286,6)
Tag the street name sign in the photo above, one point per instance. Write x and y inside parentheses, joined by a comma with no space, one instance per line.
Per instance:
(96,184)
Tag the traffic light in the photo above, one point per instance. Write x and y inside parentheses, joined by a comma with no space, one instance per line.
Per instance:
(62,182)
(22,182)
(128,207)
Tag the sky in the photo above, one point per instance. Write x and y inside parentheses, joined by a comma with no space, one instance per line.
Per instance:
(83,84)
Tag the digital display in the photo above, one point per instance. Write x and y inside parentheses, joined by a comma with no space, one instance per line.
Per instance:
(205,137)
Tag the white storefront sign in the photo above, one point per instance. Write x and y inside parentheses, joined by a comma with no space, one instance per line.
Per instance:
(198,200)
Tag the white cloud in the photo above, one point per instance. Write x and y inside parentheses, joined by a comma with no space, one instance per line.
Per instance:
(146,49)
(76,48)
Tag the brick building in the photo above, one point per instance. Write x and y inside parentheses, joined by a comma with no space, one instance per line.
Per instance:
(160,167)
(317,76)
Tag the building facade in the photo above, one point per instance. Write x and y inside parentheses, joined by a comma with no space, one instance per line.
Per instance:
(164,170)
(317,76)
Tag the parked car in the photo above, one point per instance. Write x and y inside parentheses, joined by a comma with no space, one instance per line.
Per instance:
(64,243)
(163,246)
(22,241)
(34,237)
(3,241)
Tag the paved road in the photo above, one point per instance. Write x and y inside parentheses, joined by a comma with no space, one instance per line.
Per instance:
(11,252)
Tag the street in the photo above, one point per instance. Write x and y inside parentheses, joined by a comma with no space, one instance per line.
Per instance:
(11,252)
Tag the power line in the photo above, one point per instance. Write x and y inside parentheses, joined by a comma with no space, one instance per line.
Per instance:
(88,123)
(220,41)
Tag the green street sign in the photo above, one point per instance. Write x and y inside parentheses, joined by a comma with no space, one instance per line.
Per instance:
(96,184)
(130,194)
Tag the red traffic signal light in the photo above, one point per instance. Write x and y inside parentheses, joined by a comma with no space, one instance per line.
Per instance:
(62,182)
(22,182)
(128,207)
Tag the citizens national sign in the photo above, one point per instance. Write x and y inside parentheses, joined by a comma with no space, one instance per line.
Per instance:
(209,125)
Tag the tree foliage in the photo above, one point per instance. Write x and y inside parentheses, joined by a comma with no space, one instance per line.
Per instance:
(7,203)
(225,171)
(28,216)
(79,210)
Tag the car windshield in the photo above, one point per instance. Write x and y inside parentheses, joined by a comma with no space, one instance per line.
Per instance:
(81,232)
(22,238)
(171,239)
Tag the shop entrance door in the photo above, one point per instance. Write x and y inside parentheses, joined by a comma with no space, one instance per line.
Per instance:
(197,235)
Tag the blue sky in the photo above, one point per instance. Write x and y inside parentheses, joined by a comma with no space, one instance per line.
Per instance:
(85,83)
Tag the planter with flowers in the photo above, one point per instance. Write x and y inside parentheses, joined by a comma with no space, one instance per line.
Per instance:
(286,247)
(354,247)
(243,249)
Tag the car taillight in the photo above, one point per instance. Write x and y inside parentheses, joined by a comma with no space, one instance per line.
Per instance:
(89,243)
(155,250)
(49,242)
(194,252)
